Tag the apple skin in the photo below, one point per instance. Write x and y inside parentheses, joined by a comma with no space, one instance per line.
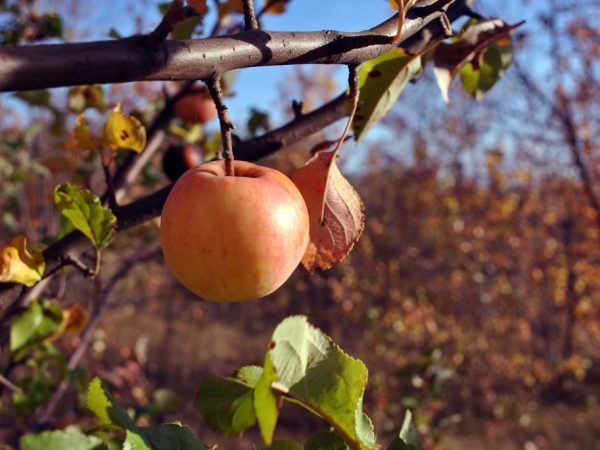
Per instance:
(233,238)
(196,107)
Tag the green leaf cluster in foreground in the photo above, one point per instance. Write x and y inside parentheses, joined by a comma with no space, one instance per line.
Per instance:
(302,366)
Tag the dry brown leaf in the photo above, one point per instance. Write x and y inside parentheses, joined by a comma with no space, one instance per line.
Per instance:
(335,209)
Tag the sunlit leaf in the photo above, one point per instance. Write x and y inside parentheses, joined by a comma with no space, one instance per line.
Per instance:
(335,211)
(87,140)
(18,264)
(124,132)
(40,321)
(381,81)
(110,414)
(323,378)
(84,210)
(409,438)
(472,48)
(71,439)
(266,402)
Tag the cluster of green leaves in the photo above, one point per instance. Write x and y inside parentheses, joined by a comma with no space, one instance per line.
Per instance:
(481,53)
(302,366)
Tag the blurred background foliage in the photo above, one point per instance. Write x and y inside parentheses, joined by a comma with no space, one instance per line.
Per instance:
(473,296)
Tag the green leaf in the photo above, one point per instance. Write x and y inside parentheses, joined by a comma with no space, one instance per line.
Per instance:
(478,78)
(71,439)
(111,414)
(35,98)
(287,444)
(38,322)
(266,402)
(381,82)
(324,379)
(86,213)
(226,404)
(468,55)
(329,440)
(134,441)
(409,438)
(185,29)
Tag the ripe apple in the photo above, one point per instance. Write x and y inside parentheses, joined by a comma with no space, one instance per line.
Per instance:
(233,238)
(197,106)
(177,159)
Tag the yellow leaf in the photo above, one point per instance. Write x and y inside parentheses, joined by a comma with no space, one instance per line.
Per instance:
(124,132)
(18,265)
(87,141)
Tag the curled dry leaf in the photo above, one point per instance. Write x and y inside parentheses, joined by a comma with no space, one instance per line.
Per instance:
(19,265)
(335,209)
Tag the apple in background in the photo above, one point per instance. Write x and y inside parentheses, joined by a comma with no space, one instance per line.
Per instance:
(197,106)
(178,159)
(233,238)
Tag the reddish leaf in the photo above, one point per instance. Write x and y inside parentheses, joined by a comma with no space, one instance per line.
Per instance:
(335,209)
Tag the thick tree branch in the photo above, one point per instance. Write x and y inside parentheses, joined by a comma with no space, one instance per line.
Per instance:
(132,59)
(299,128)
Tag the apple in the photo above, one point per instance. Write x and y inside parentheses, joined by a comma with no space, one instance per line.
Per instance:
(233,238)
(177,159)
(197,106)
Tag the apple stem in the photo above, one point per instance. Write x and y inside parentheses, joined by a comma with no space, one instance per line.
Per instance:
(214,86)
(354,95)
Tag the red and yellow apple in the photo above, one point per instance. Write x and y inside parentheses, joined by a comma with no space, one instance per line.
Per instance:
(233,238)
(196,107)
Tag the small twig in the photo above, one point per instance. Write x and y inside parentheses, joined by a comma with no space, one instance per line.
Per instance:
(10,385)
(250,21)
(74,261)
(354,95)
(297,108)
(214,86)
(446,25)
(110,187)
(86,338)
(176,14)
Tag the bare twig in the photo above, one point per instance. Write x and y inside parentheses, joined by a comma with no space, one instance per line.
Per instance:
(96,316)
(10,385)
(214,86)
(250,22)
(110,187)
(176,14)
(73,260)
(354,95)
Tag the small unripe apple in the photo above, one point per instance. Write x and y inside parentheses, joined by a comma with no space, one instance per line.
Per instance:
(196,107)
(233,238)
(178,159)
